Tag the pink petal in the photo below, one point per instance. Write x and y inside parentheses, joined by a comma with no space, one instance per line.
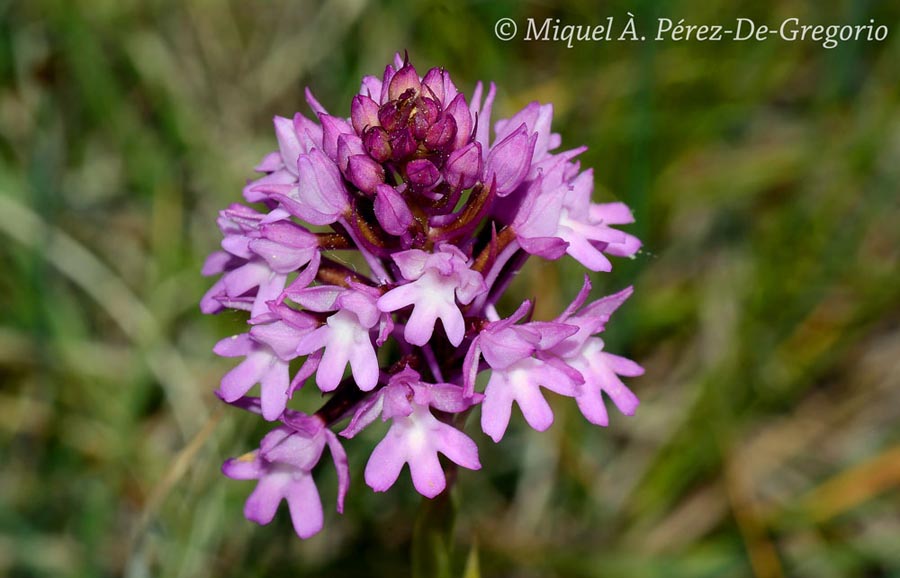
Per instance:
(398,298)
(288,143)
(420,326)
(611,213)
(262,504)
(274,390)
(590,403)
(496,407)
(622,365)
(585,253)
(320,298)
(331,368)
(457,446)
(247,467)
(385,463)
(364,366)
(245,375)
(339,456)
(427,475)
(534,407)
(305,506)
(234,346)
(454,324)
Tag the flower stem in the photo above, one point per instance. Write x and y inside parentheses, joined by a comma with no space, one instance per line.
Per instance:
(374,262)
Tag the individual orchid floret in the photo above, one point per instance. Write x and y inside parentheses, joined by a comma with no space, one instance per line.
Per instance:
(437,281)
(416,436)
(601,370)
(283,466)
(346,334)
(585,226)
(482,111)
(285,246)
(518,371)
(248,281)
(509,161)
(536,118)
(464,167)
(268,348)
(391,211)
(319,196)
(295,137)
(365,173)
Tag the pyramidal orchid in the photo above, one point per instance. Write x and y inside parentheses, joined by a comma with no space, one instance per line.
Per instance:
(442,213)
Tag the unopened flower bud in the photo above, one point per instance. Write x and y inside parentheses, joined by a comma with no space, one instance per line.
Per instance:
(348,145)
(405,83)
(332,129)
(441,133)
(363,113)
(365,173)
(391,116)
(459,110)
(422,173)
(464,166)
(378,144)
(403,145)
(510,160)
(391,210)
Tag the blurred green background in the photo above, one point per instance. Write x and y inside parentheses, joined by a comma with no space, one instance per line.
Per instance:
(764,178)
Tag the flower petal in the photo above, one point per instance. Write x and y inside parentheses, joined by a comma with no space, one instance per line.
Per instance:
(305,506)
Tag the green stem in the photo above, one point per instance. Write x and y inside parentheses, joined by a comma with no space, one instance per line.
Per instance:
(432,542)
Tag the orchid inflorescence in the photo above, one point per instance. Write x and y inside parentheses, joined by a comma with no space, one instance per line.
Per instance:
(444,216)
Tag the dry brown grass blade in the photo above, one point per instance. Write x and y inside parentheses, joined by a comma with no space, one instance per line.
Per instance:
(178,468)
(854,486)
(762,553)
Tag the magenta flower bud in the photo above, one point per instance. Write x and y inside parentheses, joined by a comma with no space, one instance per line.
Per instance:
(406,80)
(418,126)
(433,84)
(460,113)
(426,114)
(441,133)
(392,117)
(403,145)
(363,113)
(389,72)
(288,143)
(463,168)
(437,82)
(391,210)
(365,173)
(371,87)
(422,173)
(377,142)
(320,196)
(510,160)
(286,247)
(332,129)
(348,145)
